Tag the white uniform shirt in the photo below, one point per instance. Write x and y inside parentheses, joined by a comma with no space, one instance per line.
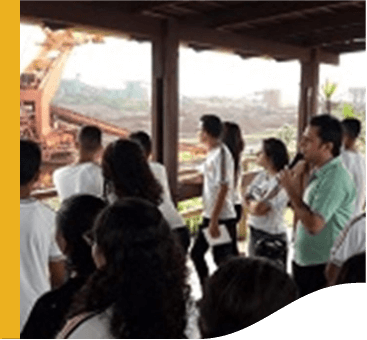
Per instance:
(167,207)
(237,192)
(213,178)
(97,327)
(37,248)
(272,222)
(84,178)
(351,241)
(356,165)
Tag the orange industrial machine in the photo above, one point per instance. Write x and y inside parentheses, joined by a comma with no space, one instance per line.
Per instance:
(54,128)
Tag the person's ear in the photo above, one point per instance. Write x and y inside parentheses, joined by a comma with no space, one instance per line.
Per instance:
(98,257)
(36,176)
(328,146)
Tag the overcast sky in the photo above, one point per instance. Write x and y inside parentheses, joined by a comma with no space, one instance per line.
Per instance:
(208,73)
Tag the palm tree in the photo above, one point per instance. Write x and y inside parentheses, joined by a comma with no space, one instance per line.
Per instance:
(328,90)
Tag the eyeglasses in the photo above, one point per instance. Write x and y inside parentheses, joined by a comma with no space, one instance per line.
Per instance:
(89,237)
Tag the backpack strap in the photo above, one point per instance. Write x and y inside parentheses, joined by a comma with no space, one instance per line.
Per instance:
(73,324)
(222,163)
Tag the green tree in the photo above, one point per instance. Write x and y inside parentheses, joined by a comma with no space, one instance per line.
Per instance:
(287,133)
(328,89)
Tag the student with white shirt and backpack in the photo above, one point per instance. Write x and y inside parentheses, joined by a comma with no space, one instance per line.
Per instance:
(218,186)
(85,176)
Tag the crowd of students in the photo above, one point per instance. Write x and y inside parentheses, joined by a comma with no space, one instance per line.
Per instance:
(112,261)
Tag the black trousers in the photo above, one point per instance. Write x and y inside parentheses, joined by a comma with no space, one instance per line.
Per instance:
(309,278)
(183,236)
(221,253)
(239,209)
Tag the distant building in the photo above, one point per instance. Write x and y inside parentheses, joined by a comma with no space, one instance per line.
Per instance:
(269,98)
(357,96)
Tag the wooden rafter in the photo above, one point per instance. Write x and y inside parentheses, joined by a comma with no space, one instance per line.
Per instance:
(142,6)
(309,26)
(77,13)
(343,48)
(261,10)
(248,44)
(338,35)
(88,16)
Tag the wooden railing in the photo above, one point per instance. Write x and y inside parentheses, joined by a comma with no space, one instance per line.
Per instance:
(187,190)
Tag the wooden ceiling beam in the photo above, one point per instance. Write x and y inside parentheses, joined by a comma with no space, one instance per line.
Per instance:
(246,44)
(261,10)
(344,48)
(78,14)
(340,35)
(142,6)
(331,21)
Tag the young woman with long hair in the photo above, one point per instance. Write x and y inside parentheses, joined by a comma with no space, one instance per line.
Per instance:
(139,289)
(127,173)
(232,137)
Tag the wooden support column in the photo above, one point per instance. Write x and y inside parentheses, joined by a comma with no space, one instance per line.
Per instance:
(308,103)
(165,101)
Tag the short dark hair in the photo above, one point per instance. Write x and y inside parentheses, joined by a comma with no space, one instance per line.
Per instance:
(74,218)
(353,270)
(276,151)
(242,292)
(90,137)
(144,140)
(30,160)
(351,127)
(329,131)
(212,125)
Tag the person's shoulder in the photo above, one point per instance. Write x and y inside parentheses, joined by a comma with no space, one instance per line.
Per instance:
(158,166)
(39,207)
(159,170)
(360,223)
(62,170)
(90,167)
(44,212)
(61,295)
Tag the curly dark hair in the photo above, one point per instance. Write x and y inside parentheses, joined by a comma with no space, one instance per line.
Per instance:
(143,282)
(242,292)
(126,169)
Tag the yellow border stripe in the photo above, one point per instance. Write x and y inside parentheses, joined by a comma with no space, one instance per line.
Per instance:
(9,109)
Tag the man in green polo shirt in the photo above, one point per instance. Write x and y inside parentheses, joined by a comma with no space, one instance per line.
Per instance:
(324,207)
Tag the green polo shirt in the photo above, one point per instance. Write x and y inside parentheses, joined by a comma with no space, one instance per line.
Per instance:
(330,193)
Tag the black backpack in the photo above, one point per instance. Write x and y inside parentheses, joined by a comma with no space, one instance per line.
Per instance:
(273,249)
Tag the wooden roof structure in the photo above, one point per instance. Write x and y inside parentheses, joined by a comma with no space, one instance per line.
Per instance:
(312,32)
(279,29)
